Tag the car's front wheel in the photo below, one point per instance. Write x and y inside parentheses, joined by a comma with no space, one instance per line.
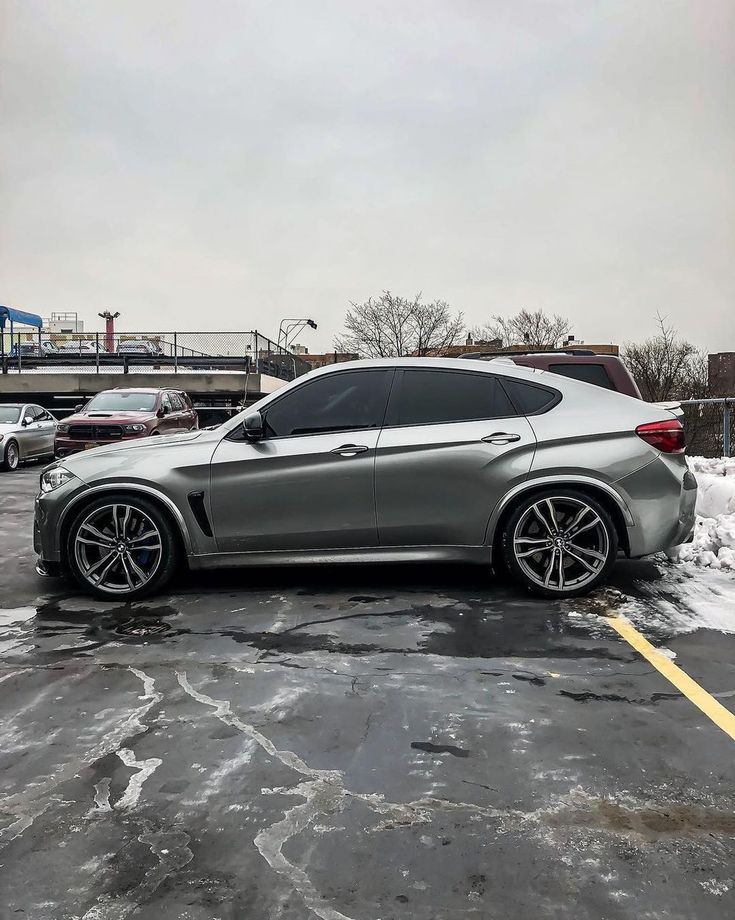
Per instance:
(12,457)
(121,546)
(560,543)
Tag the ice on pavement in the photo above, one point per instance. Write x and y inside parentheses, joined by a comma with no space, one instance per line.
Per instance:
(714,533)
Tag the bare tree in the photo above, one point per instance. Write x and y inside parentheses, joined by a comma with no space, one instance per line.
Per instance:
(392,327)
(532,328)
(665,366)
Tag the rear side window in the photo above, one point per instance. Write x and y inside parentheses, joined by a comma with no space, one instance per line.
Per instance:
(433,396)
(528,398)
(177,402)
(336,402)
(587,373)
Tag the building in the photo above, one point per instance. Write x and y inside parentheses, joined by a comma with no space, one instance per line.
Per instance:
(331,357)
(470,346)
(721,373)
(63,324)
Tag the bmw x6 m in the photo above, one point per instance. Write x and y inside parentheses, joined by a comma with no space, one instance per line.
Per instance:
(393,460)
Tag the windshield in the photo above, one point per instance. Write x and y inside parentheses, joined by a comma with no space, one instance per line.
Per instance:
(123,402)
(9,414)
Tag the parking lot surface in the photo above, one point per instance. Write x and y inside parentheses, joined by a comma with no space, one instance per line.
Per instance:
(356,743)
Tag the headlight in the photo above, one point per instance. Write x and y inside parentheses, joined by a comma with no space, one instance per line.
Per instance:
(131,428)
(62,429)
(53,478)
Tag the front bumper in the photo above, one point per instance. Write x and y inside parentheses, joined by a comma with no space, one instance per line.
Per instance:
(48,510)
(65,446)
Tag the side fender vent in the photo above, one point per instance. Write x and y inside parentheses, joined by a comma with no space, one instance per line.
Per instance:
(196,503)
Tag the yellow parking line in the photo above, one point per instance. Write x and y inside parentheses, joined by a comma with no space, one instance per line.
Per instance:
(682,681)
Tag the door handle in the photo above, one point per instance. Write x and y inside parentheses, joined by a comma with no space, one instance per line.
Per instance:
(349,450)
(501,437)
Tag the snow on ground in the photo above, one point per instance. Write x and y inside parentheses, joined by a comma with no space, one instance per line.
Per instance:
(714,534)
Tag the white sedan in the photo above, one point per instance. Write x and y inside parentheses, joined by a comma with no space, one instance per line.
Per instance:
(27,432)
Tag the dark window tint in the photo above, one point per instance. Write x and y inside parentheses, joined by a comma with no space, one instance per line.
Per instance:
(166,403)
(428,397)
(177,402)
(588,373)
(335,402)
(528,398)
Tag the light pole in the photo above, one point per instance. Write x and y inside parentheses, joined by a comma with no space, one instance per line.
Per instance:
(290,328)
(109,319)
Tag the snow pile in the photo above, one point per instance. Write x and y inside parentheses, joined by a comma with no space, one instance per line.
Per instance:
(714,531)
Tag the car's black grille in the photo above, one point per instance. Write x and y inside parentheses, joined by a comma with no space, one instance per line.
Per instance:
(95,432)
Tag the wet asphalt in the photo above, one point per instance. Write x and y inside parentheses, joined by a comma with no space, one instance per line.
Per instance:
(393,742)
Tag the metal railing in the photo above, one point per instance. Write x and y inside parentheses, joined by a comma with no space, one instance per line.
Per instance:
(139,352)
(709,425)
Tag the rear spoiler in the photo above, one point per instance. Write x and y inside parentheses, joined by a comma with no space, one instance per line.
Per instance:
(670,405)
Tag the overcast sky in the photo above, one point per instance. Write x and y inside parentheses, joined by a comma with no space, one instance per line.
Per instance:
(219,164)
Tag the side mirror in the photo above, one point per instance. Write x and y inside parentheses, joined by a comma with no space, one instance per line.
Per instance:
(78,407)
(252,426)
(27,420)
(161,412)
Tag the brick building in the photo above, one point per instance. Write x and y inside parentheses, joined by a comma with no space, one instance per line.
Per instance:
(721,373)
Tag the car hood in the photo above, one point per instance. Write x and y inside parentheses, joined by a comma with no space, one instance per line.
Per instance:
(9,427)
(133,458)
(102,417)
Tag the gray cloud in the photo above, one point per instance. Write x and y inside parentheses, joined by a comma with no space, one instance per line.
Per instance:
(228,163)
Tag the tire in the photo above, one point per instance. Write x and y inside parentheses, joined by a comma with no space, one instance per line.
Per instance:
(141,560)
(11,457)
(576,539)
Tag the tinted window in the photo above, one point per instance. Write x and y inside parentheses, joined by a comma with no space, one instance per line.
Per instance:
(428,397)
(336,402)
(528,398)
(588,373)
(177,402)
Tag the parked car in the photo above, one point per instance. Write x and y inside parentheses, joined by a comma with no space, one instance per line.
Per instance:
(83,347)
(26,433)
(124,415)
(393,460)
(139,347)
(607,371)
(33,349)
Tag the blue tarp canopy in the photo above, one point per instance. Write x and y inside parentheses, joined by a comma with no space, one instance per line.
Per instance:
(19,316)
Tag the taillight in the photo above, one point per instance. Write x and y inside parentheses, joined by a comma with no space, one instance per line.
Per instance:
(666,436)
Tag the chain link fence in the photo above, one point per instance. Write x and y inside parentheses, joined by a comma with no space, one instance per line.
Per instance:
(709,426)
(146,352)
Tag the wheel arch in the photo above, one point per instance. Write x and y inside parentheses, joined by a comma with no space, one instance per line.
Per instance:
(164,504)
(605,495)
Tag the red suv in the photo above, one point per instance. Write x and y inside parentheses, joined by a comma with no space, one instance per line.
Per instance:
(123,414)
(606,371)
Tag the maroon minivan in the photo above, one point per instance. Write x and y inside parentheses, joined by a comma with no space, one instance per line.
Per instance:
(124,414)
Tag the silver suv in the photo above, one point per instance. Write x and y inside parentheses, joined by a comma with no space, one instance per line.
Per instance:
(376,461)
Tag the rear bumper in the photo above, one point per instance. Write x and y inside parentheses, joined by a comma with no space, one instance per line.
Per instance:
(661,497)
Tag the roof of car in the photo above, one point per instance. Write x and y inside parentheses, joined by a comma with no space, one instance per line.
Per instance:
(136,390)
(460,364)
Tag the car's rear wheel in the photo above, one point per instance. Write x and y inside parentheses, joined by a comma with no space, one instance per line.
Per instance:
(11,459)
(560,543)
(122,547)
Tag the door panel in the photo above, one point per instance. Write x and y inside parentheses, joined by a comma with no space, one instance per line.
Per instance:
(452,446)
(438,484)
(294,493)
(310,483)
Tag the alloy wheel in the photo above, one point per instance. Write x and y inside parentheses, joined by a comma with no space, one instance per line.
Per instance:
(561,543)
(118,548)
(12,457)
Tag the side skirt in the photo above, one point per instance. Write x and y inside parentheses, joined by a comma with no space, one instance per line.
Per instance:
(474,554)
